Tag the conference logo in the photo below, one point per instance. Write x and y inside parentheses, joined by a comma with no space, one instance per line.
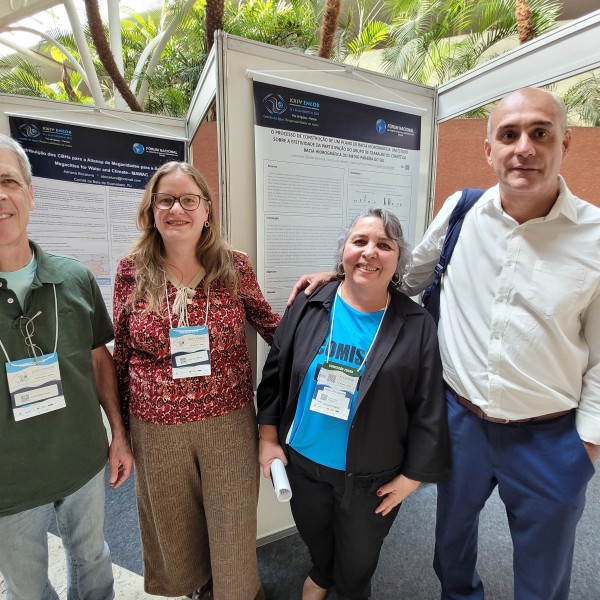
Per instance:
(380,126)
(275,104)
(29,130)
(138,148)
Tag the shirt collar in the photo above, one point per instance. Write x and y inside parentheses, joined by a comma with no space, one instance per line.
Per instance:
(46,272)
(564,204)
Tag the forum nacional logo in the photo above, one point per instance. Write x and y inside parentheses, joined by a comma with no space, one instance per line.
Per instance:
(29,130)
(275,104)
(380,126)
(138,148)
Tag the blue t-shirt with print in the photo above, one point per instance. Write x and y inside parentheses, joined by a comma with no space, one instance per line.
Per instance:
(319,437)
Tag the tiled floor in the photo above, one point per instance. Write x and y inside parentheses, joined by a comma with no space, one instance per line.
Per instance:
(128,585)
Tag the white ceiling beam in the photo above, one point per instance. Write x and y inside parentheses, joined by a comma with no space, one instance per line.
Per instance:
(564,52)
(84,52)
(58,45)
(12,11)
(116,46)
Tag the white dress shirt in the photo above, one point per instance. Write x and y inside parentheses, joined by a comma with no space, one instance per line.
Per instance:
(520,308)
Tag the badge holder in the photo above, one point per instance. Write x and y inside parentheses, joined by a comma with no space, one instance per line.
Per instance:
(337,383)
(190,345)
(34,383)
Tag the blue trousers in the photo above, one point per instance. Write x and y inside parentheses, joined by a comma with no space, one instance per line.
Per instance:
(24,547)
(541,470)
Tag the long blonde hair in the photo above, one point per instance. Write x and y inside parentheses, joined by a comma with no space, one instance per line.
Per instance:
(212,251)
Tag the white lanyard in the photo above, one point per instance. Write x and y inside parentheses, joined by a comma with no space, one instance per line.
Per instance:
(29,342)
(180,306)
(328,356)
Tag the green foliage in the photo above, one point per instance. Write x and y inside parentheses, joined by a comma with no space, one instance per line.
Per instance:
(426,41)
(583,98)
(286,23)
(432,41)
(18,76)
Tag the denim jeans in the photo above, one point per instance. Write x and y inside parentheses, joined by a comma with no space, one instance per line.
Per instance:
(24,547)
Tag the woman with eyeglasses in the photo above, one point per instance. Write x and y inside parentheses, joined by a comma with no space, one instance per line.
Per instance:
(181,300)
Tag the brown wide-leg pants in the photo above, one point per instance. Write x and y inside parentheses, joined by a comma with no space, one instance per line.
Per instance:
(197,492)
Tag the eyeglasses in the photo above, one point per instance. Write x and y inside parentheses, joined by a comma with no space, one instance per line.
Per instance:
(27,331)
(188,202)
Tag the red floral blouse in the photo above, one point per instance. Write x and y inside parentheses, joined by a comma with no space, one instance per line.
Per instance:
(142,351)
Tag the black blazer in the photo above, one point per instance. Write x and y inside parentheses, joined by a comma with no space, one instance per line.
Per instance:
(400,423)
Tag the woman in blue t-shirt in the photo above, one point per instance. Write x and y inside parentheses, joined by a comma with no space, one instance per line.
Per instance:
(352,401)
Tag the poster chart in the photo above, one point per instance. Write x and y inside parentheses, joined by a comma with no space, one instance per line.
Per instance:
(87,186)
(320,161)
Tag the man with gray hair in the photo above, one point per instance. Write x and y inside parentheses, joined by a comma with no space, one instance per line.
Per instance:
(53,330)
(519,336)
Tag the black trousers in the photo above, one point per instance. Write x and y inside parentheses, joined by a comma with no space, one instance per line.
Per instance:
(344,541)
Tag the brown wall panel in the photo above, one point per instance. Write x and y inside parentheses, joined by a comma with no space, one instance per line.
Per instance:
(461,162)
(205,159)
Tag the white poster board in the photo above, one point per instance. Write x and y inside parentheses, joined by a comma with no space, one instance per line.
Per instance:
(322,157)
(88,182)
(230,71)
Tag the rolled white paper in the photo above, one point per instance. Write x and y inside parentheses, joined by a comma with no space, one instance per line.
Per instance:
(283,491)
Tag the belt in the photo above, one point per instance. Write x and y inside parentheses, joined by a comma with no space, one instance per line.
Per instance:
(476,410)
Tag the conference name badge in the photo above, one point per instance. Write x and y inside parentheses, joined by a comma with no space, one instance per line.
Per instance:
(35,386)
(190,351)
(336,386)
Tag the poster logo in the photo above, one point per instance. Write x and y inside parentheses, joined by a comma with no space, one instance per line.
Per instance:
(29,130)
(380,126)
(138,148)
(275,104)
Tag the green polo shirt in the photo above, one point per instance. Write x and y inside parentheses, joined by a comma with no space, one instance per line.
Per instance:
(50,456)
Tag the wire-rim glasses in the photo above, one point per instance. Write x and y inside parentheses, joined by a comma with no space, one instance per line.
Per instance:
(188,202)
(27,331)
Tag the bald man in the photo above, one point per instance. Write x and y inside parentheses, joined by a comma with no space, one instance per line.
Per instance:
(520,343)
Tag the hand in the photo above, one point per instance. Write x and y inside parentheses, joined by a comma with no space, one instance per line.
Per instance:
(268,451)
(120,460)
(311,282)
(397,490)
(592,450)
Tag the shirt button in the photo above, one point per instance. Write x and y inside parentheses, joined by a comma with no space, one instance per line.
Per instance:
(500,299)
(10,300)
(509,264)
(349,475)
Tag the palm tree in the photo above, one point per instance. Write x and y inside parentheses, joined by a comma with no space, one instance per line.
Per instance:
(433,41)
(17,76)
(525,23)
(106,56)
(329,26)
(429,41)
(583,98)
(158,76)
(215,10)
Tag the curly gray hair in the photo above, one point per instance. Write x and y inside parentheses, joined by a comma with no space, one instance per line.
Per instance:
(393,229)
